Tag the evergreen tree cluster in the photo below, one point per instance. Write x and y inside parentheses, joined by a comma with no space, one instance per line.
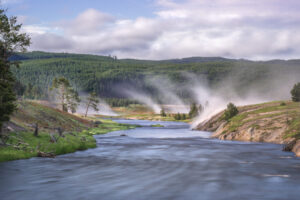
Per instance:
(120,102)
(180,116)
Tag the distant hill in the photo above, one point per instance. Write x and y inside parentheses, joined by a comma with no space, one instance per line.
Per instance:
(107,75)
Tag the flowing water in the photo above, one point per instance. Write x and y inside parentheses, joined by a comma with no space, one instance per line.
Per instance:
(157,163)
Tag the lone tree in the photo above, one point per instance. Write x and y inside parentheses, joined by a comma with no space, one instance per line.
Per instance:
(11,40)
(67,96)
(230,112)
(295,92)
(92,101)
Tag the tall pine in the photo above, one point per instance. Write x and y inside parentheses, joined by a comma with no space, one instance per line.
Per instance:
(11,40)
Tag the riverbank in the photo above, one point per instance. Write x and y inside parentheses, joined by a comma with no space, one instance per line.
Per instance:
(272,122)
(59,132)
(142,112)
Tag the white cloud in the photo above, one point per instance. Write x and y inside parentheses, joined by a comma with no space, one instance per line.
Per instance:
(89,22)
(232,28)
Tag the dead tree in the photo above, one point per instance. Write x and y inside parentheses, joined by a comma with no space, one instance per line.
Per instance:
(60,131)
(36,130)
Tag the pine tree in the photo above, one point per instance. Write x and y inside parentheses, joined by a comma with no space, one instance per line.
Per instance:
(193,110)
(73,100)
(92,101)
(295,92)
(11,40)
(67,96)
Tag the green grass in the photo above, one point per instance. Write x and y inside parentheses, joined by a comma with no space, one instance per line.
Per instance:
(109,126)
(157,125)
(236,121)
(294,128)
(24,145)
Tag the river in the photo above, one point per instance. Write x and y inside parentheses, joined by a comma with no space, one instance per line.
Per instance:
(170,162)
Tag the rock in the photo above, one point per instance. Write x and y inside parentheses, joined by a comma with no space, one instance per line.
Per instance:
(45,155)
(11,127)
(289,146)
(53,139)
(296,148)
(123,135)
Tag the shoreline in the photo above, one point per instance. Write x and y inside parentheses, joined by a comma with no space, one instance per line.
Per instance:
(23,145)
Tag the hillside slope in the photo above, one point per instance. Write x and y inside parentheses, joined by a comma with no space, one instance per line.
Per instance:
(48,119)
(274,122)
(108,76)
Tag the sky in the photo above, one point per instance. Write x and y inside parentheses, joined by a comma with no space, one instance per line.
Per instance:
(162,29)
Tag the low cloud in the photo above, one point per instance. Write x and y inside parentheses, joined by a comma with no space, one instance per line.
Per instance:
(264,29)
(51,42)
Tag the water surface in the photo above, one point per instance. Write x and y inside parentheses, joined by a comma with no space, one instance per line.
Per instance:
(157,163)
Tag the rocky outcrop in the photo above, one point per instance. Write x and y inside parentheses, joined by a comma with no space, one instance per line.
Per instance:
(296,148)
(11,127)
(269,122)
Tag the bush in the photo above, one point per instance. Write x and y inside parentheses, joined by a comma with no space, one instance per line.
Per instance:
(282,104)
(230,112)
(163,113)
(295,92)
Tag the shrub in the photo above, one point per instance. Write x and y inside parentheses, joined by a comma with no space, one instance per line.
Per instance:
(230,112)
(162,113)
(282,104)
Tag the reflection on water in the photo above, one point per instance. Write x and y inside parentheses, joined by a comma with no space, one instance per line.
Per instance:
(157,163)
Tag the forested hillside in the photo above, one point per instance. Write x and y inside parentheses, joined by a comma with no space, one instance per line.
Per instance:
(107,75)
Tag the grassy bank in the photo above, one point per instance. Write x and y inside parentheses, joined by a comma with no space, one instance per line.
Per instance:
(21,145)
(77,132)
(269,117)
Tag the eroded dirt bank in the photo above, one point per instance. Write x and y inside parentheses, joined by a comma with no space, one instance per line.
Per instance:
(274,122)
